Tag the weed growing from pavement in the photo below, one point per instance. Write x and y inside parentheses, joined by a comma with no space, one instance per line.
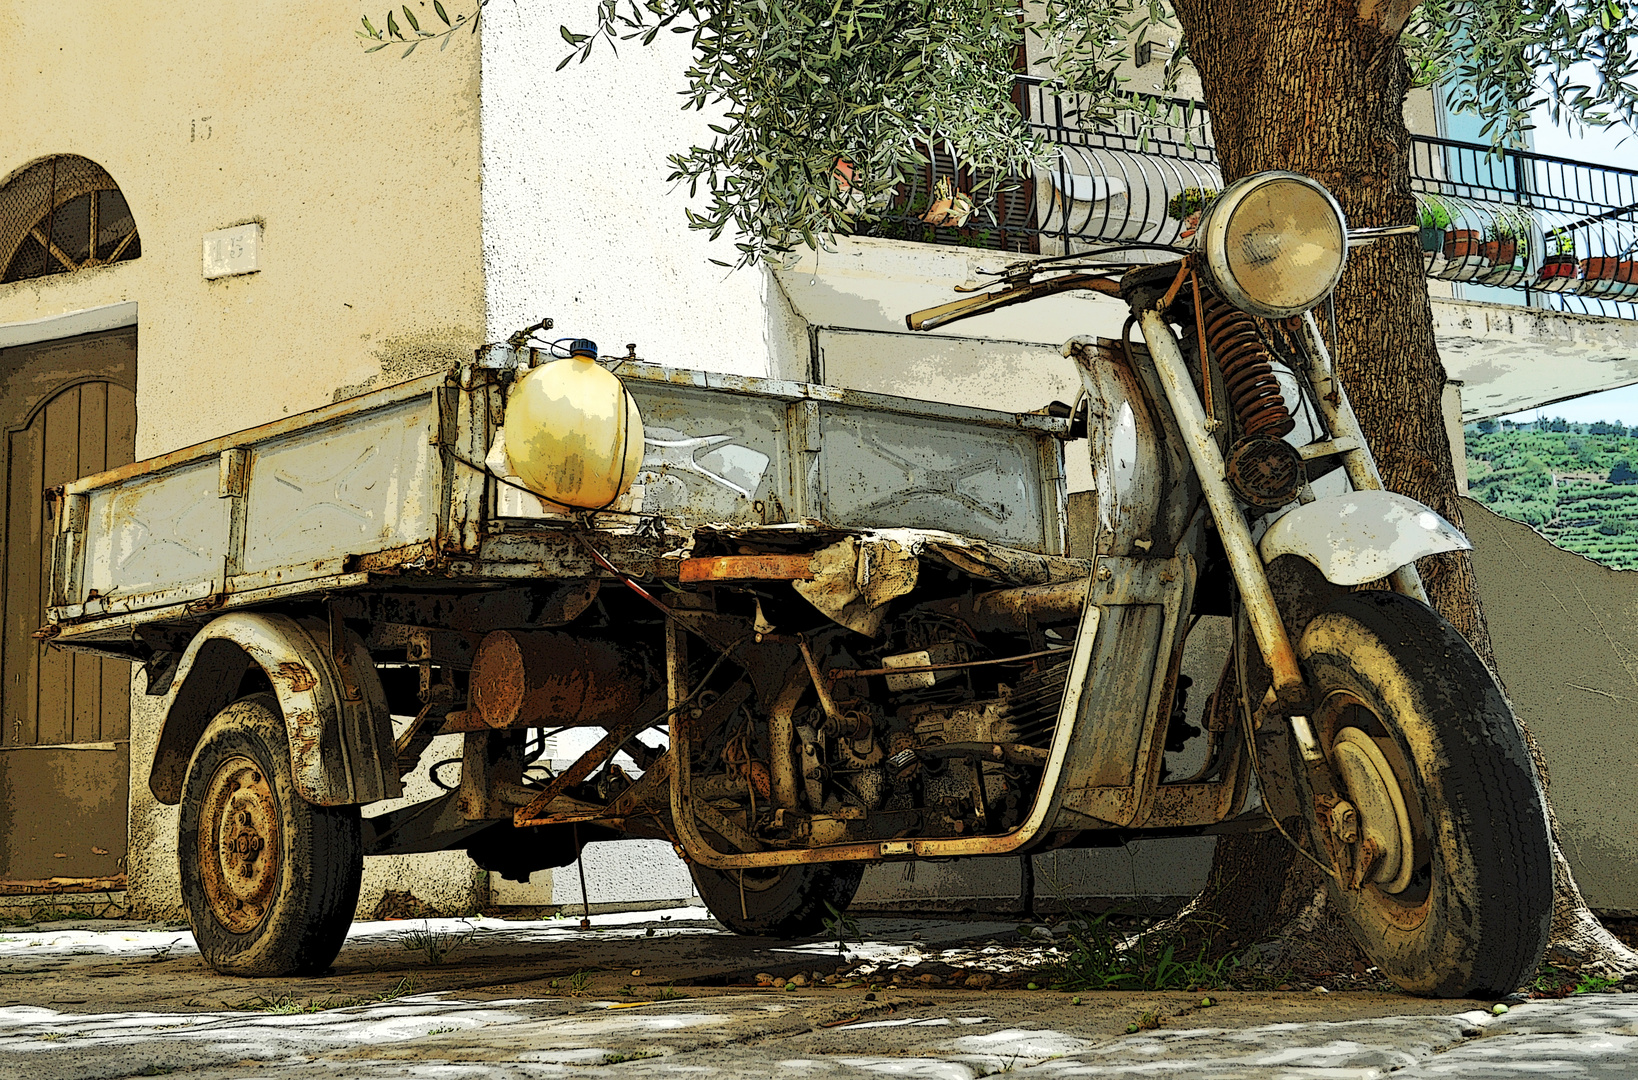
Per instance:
(1100,958)
(1146,1021)
(440,1031)
(288,1005)
(1555,982)
(577,984)
(841,926)
(437,945)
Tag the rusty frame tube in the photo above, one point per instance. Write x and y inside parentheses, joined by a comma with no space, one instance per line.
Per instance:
(525,677)
(782,735)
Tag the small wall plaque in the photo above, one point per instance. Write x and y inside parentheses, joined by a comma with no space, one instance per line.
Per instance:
(233,251)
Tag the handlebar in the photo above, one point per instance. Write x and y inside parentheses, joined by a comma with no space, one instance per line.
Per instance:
(934,317)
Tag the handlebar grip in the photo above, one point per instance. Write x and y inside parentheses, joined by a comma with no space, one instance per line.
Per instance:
(937,316)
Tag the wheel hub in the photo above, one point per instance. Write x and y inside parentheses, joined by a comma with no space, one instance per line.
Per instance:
(239,844)
(1372,826)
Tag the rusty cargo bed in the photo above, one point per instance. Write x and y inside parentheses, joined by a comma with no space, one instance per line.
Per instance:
(389,489)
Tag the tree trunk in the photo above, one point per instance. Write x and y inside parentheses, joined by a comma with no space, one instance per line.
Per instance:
(1318,87)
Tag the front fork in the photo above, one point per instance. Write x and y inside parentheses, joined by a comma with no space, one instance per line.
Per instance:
(1288,690)
(1288,694)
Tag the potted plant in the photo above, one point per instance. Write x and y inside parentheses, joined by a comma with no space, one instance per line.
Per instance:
(1186,205)
(1432,219)
(1506,245)
(1598,276)
(1559,267)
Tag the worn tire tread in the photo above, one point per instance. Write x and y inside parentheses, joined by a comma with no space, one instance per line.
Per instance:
(794,907)
(1490,942)
(323,851)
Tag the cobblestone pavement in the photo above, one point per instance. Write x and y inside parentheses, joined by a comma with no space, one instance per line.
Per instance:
(670,993)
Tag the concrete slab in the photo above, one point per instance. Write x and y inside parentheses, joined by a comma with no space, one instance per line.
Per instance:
(542,999)
(1510,358)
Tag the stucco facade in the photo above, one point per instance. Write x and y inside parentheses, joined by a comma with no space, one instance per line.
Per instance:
(363,174)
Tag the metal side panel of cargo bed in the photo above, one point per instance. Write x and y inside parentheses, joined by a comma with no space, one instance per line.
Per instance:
(726,448)
(386,482)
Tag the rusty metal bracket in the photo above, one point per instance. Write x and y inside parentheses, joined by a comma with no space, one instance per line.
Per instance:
(341,655)
(652,708)
(747,568)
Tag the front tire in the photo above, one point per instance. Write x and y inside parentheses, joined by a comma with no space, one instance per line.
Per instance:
(1445,858)
(781,901)
(269,880)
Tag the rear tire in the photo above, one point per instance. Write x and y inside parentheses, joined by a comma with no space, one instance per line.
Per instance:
(269,880)
(1456,897)
(782,901)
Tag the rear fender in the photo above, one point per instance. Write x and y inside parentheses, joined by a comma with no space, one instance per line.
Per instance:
(1361,536)
(340,742)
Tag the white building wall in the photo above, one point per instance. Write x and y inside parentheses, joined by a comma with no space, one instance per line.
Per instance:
(579,220)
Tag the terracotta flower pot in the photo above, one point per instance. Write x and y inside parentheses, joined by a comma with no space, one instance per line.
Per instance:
(1626,278)
(1499,252)
(1558,273)
(1598,277)
(1461,243)
(1598,267)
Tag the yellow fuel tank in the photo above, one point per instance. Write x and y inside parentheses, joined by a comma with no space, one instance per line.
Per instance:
(573,432)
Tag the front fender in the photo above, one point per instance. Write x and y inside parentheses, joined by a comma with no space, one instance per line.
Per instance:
(341,748)
(1361,536)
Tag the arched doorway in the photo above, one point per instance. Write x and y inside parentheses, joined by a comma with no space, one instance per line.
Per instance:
(67,409)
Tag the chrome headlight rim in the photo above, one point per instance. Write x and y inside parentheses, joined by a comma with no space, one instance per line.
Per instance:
(1212,241)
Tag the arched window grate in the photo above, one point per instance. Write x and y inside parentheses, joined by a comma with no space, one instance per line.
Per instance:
(61,214)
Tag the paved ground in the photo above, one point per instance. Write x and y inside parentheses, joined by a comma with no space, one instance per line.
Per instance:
(670,993)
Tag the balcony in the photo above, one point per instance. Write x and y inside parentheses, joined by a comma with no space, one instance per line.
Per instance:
(1516,227)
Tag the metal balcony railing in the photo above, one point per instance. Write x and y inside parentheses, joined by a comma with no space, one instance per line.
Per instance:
(1573,226)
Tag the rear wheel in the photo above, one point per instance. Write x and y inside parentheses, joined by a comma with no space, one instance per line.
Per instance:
(778,901)
(1440,835)
(268,879)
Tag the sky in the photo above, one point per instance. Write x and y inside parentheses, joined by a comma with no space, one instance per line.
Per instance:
(1610,405)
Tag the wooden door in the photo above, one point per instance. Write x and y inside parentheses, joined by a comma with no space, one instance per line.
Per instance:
(67,410)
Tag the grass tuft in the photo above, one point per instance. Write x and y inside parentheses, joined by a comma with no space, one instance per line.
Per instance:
(288,1005)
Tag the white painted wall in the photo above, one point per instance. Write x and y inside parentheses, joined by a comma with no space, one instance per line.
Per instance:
(579,221)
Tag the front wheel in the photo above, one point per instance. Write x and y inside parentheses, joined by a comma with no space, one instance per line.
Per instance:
(1440,837)
(779,901)
(268,879)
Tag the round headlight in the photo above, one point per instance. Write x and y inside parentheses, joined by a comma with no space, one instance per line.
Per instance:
(1275,243)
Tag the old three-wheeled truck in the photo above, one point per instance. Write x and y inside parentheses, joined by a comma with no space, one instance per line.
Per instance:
(822,628)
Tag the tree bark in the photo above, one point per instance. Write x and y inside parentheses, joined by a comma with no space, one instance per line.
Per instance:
(1318,87)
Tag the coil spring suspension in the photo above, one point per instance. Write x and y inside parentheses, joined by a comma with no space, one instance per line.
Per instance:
(1248,376)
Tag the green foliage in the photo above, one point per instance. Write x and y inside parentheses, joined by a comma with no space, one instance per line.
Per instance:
(436,945)
(1560,242)
(806,87)
(1431,213)
(841,926)
(1489,53)
(1191,200)
(1575,483)
(287,1004)
(1510,225)
(1102,959)
(375,40)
